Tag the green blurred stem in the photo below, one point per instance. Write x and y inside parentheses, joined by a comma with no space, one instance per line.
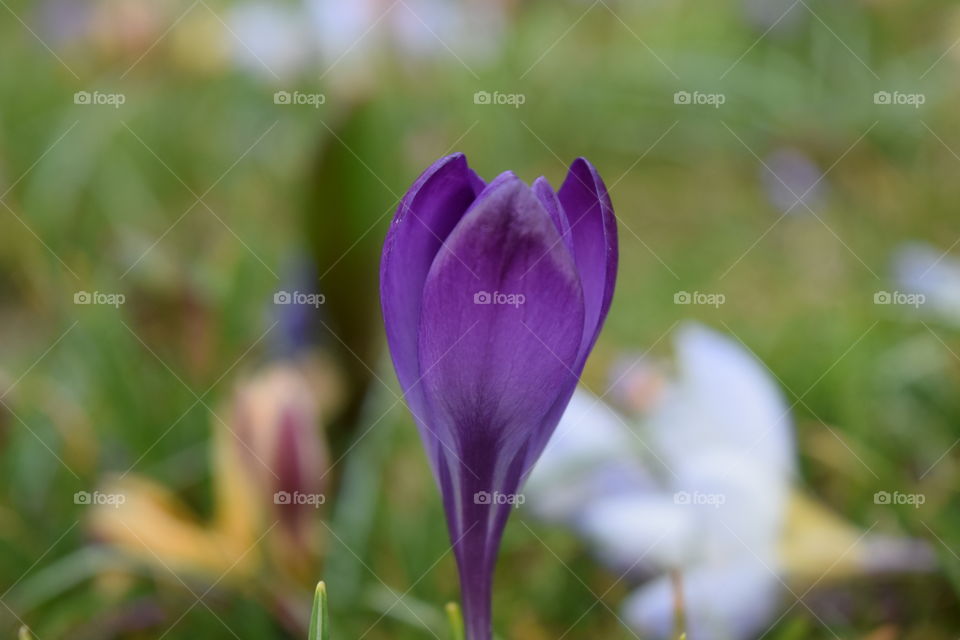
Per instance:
(456,620)
(319,618)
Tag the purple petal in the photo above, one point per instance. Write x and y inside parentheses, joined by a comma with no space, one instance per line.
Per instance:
(492,371)
(427,214)
(593,226)
(592,238)
(501,306)
(548,198)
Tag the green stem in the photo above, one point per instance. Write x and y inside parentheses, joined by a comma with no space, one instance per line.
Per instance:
(456,620)
(319,618)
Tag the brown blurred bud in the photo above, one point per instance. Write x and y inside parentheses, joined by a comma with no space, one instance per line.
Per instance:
(274,461)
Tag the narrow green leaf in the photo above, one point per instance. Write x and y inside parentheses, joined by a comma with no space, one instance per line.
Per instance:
(456,620)
(319,619)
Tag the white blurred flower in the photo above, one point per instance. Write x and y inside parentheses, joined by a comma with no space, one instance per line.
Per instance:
(589,455)
(724,400)
(721,432)
(645,530)
(269,39)
(466,30)
(342,27)
(344,38)
(722,602)
(700,488)
(454,29)
(925,270)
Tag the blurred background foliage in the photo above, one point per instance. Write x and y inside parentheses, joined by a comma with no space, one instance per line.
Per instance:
(200,197)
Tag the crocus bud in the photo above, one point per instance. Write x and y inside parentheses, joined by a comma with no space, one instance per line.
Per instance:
(493,296)
(273,456)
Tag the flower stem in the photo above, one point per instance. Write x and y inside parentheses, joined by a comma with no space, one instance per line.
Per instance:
(456,620)
(679,609)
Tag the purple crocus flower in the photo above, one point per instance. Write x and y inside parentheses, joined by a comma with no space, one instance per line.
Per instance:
(493,296)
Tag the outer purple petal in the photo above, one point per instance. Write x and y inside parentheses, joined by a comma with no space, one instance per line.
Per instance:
(593,227)
(427,214)
(493,371)
(501,362)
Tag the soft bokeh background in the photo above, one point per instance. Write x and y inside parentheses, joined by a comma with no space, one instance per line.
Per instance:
(204,194)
